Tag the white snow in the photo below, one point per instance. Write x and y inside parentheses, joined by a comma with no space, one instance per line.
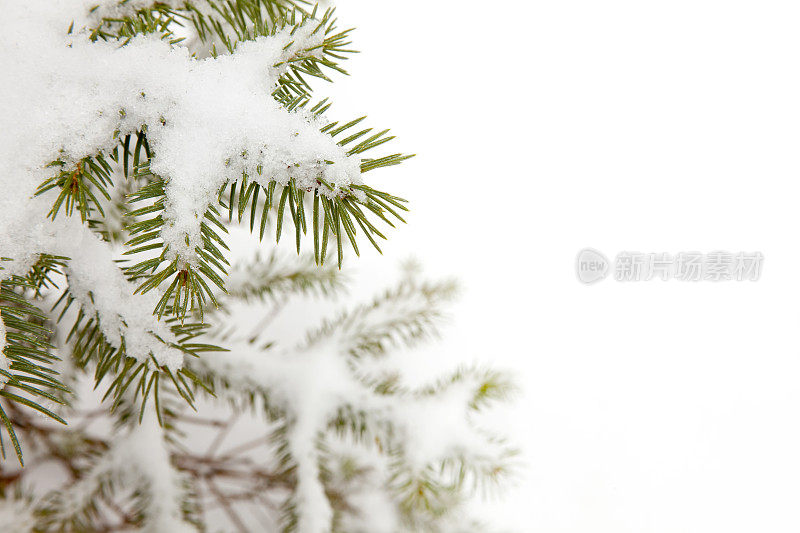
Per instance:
(145,459)
(16,516)
(92,270)
(208,120)
(438,426)
(311,383)
(137,460)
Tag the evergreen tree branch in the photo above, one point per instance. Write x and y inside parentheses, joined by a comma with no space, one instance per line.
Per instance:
(27,373)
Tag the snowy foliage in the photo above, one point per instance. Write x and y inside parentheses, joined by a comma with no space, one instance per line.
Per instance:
(135,134)
(335,437)
(16,515)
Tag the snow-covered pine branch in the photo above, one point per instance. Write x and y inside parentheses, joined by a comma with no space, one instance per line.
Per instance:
(149,138)
(135,135)
(138,461)
(193,126)
(346,442)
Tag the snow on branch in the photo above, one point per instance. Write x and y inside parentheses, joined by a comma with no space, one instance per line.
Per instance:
(401,315)
(208,121)
(96,282)
(78,98)
(137,461)
(17,515)
(275,278)
(428,435)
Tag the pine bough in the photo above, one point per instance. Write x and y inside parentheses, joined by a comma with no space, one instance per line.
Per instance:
(135,134)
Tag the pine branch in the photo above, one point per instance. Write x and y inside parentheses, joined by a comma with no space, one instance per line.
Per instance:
(27,373)
(189,284)
(76,186)
(188,265)
(145,378)
(403,315)
(276,279)
(155,171)
(157,18)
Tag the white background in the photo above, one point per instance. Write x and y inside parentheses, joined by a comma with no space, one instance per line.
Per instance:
(545,127)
